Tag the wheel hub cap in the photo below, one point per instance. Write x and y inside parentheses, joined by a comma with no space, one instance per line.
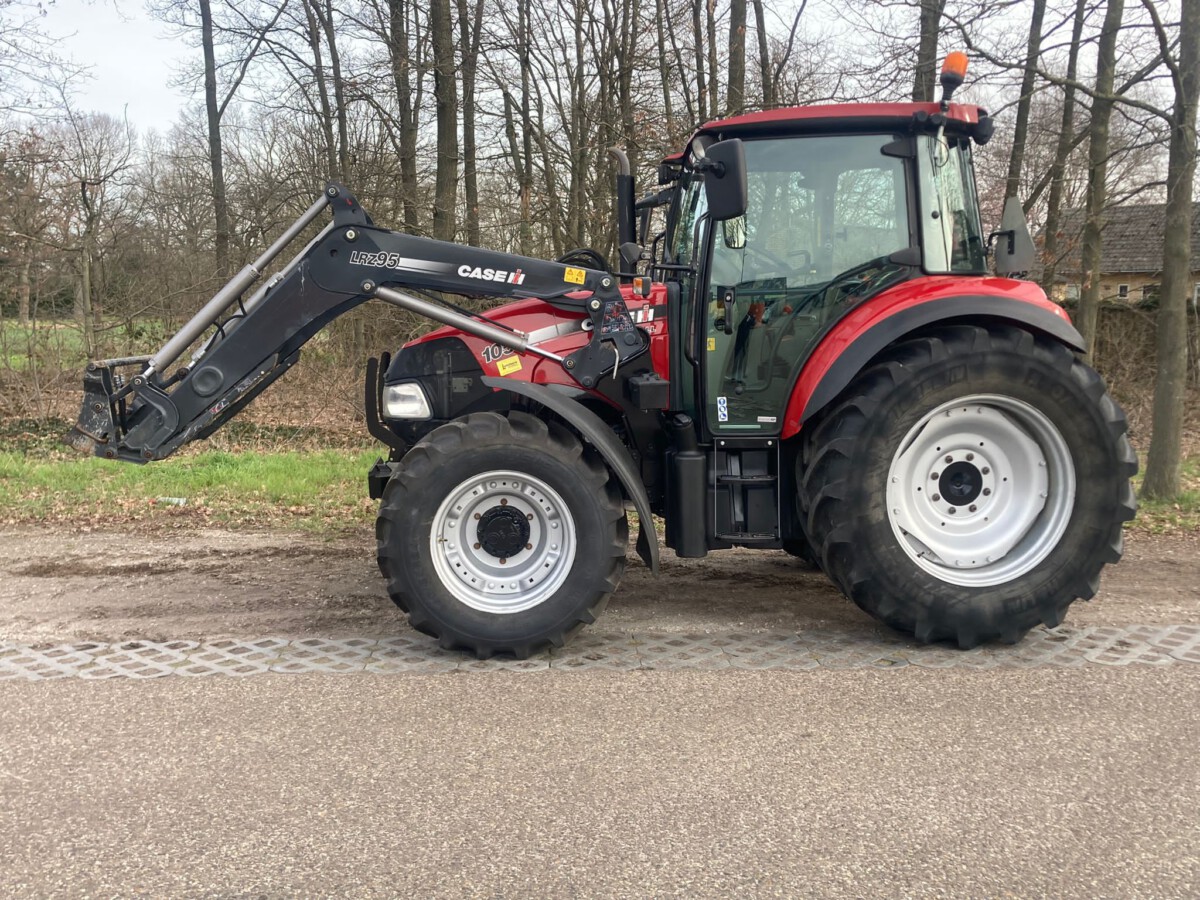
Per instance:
(503,532)
(960,483)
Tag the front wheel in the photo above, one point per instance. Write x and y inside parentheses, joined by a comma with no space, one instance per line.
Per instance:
(970,485)
(501,534)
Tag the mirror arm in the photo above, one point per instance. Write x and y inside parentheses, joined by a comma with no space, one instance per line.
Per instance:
(1012,239)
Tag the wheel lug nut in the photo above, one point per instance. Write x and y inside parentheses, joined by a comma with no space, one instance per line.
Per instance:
(972,508)
(949,458)
(503,560)
(933,476)
(970,456)
(529,546)
(477,545)
(987,492)
(504,503)
(952,510)
(937,497)
(986,471)
(529,516)
(477,515)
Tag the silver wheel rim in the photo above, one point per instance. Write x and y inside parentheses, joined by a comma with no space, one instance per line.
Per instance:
(473,571)
(981,490)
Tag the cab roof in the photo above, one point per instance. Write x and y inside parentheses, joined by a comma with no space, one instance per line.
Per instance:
(832,117)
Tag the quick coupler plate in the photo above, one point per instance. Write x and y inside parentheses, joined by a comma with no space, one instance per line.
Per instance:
(96,430)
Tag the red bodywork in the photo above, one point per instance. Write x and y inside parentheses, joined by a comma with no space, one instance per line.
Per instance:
(867,315)
(529,316)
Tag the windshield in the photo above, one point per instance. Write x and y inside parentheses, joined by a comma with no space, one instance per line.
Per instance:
(818,206)
(951,234)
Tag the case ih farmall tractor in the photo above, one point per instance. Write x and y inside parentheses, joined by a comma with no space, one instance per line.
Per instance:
(812,356)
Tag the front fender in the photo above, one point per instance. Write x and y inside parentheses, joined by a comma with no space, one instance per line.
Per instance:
(602,438)
(858,339)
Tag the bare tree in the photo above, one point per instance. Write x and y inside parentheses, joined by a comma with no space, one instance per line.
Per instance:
(1170,384)
(1062,150)
(735,93)
(927,47)
(1091,253)
(1021,125)
(445,91)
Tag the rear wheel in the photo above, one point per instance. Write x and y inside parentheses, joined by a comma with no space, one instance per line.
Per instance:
(501,534)
(970,485)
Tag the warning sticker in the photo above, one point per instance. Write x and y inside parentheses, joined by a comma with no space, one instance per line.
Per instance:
(575,276)
(508,365)
(712,344)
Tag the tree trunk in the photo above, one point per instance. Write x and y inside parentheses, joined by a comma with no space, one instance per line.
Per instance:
(398,50)
(445,92)
(714,83)
(1021,126)
(215,155)
(735,93)
(23,291)
(927,46)
(1091,253)
(86,313)
(701,81)
(339,93)
(470,29)
(764,56)
(664,65)
(525,179)
(1061,151)
(326,109)
(1170,384)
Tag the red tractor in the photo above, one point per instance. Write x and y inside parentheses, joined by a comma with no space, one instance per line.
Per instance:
(811,356)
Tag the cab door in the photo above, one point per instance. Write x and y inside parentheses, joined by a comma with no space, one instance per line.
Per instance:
(825,213)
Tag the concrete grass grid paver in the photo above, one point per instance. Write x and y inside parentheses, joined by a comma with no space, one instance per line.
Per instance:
(1149,645)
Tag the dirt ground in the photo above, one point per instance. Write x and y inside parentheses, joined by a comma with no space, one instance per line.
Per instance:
(66,585)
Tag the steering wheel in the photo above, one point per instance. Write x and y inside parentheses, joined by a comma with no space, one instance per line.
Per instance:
(849,274)
(774,259)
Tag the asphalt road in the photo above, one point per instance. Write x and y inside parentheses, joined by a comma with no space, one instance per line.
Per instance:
(1063,782)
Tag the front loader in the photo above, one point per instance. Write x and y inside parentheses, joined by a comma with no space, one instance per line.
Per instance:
(812,356)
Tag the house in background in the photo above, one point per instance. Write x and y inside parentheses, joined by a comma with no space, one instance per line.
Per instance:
(1131,266)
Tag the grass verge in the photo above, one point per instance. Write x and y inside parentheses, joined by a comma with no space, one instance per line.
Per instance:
(308,490)
(1171,517)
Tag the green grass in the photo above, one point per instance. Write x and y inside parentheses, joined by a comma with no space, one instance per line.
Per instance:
(1179,515)
(318,490)
(45,342)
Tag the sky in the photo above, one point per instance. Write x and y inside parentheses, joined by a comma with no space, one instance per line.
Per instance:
(132,58)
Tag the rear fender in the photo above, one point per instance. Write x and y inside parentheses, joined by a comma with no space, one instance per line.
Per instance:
(858,339)
(602,438)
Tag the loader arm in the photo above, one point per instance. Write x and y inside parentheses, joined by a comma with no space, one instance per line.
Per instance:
(144,408)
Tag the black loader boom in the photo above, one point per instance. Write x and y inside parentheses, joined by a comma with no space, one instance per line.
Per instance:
(138,409)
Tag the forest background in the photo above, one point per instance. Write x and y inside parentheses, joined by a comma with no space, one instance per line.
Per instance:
(486,122)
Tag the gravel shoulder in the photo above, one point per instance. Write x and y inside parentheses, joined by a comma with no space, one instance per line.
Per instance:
(62,585)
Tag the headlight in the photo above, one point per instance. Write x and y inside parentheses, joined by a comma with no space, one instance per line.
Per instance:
(406,401)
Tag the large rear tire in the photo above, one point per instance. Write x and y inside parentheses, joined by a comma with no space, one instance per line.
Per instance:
(970,485)
(501,534)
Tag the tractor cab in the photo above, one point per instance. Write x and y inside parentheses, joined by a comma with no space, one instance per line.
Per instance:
(842,203)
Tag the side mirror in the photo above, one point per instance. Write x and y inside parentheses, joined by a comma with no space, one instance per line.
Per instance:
(733,232)
(724,168)
(1014,251)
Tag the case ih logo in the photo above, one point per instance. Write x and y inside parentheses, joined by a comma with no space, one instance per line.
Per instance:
(517,277)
